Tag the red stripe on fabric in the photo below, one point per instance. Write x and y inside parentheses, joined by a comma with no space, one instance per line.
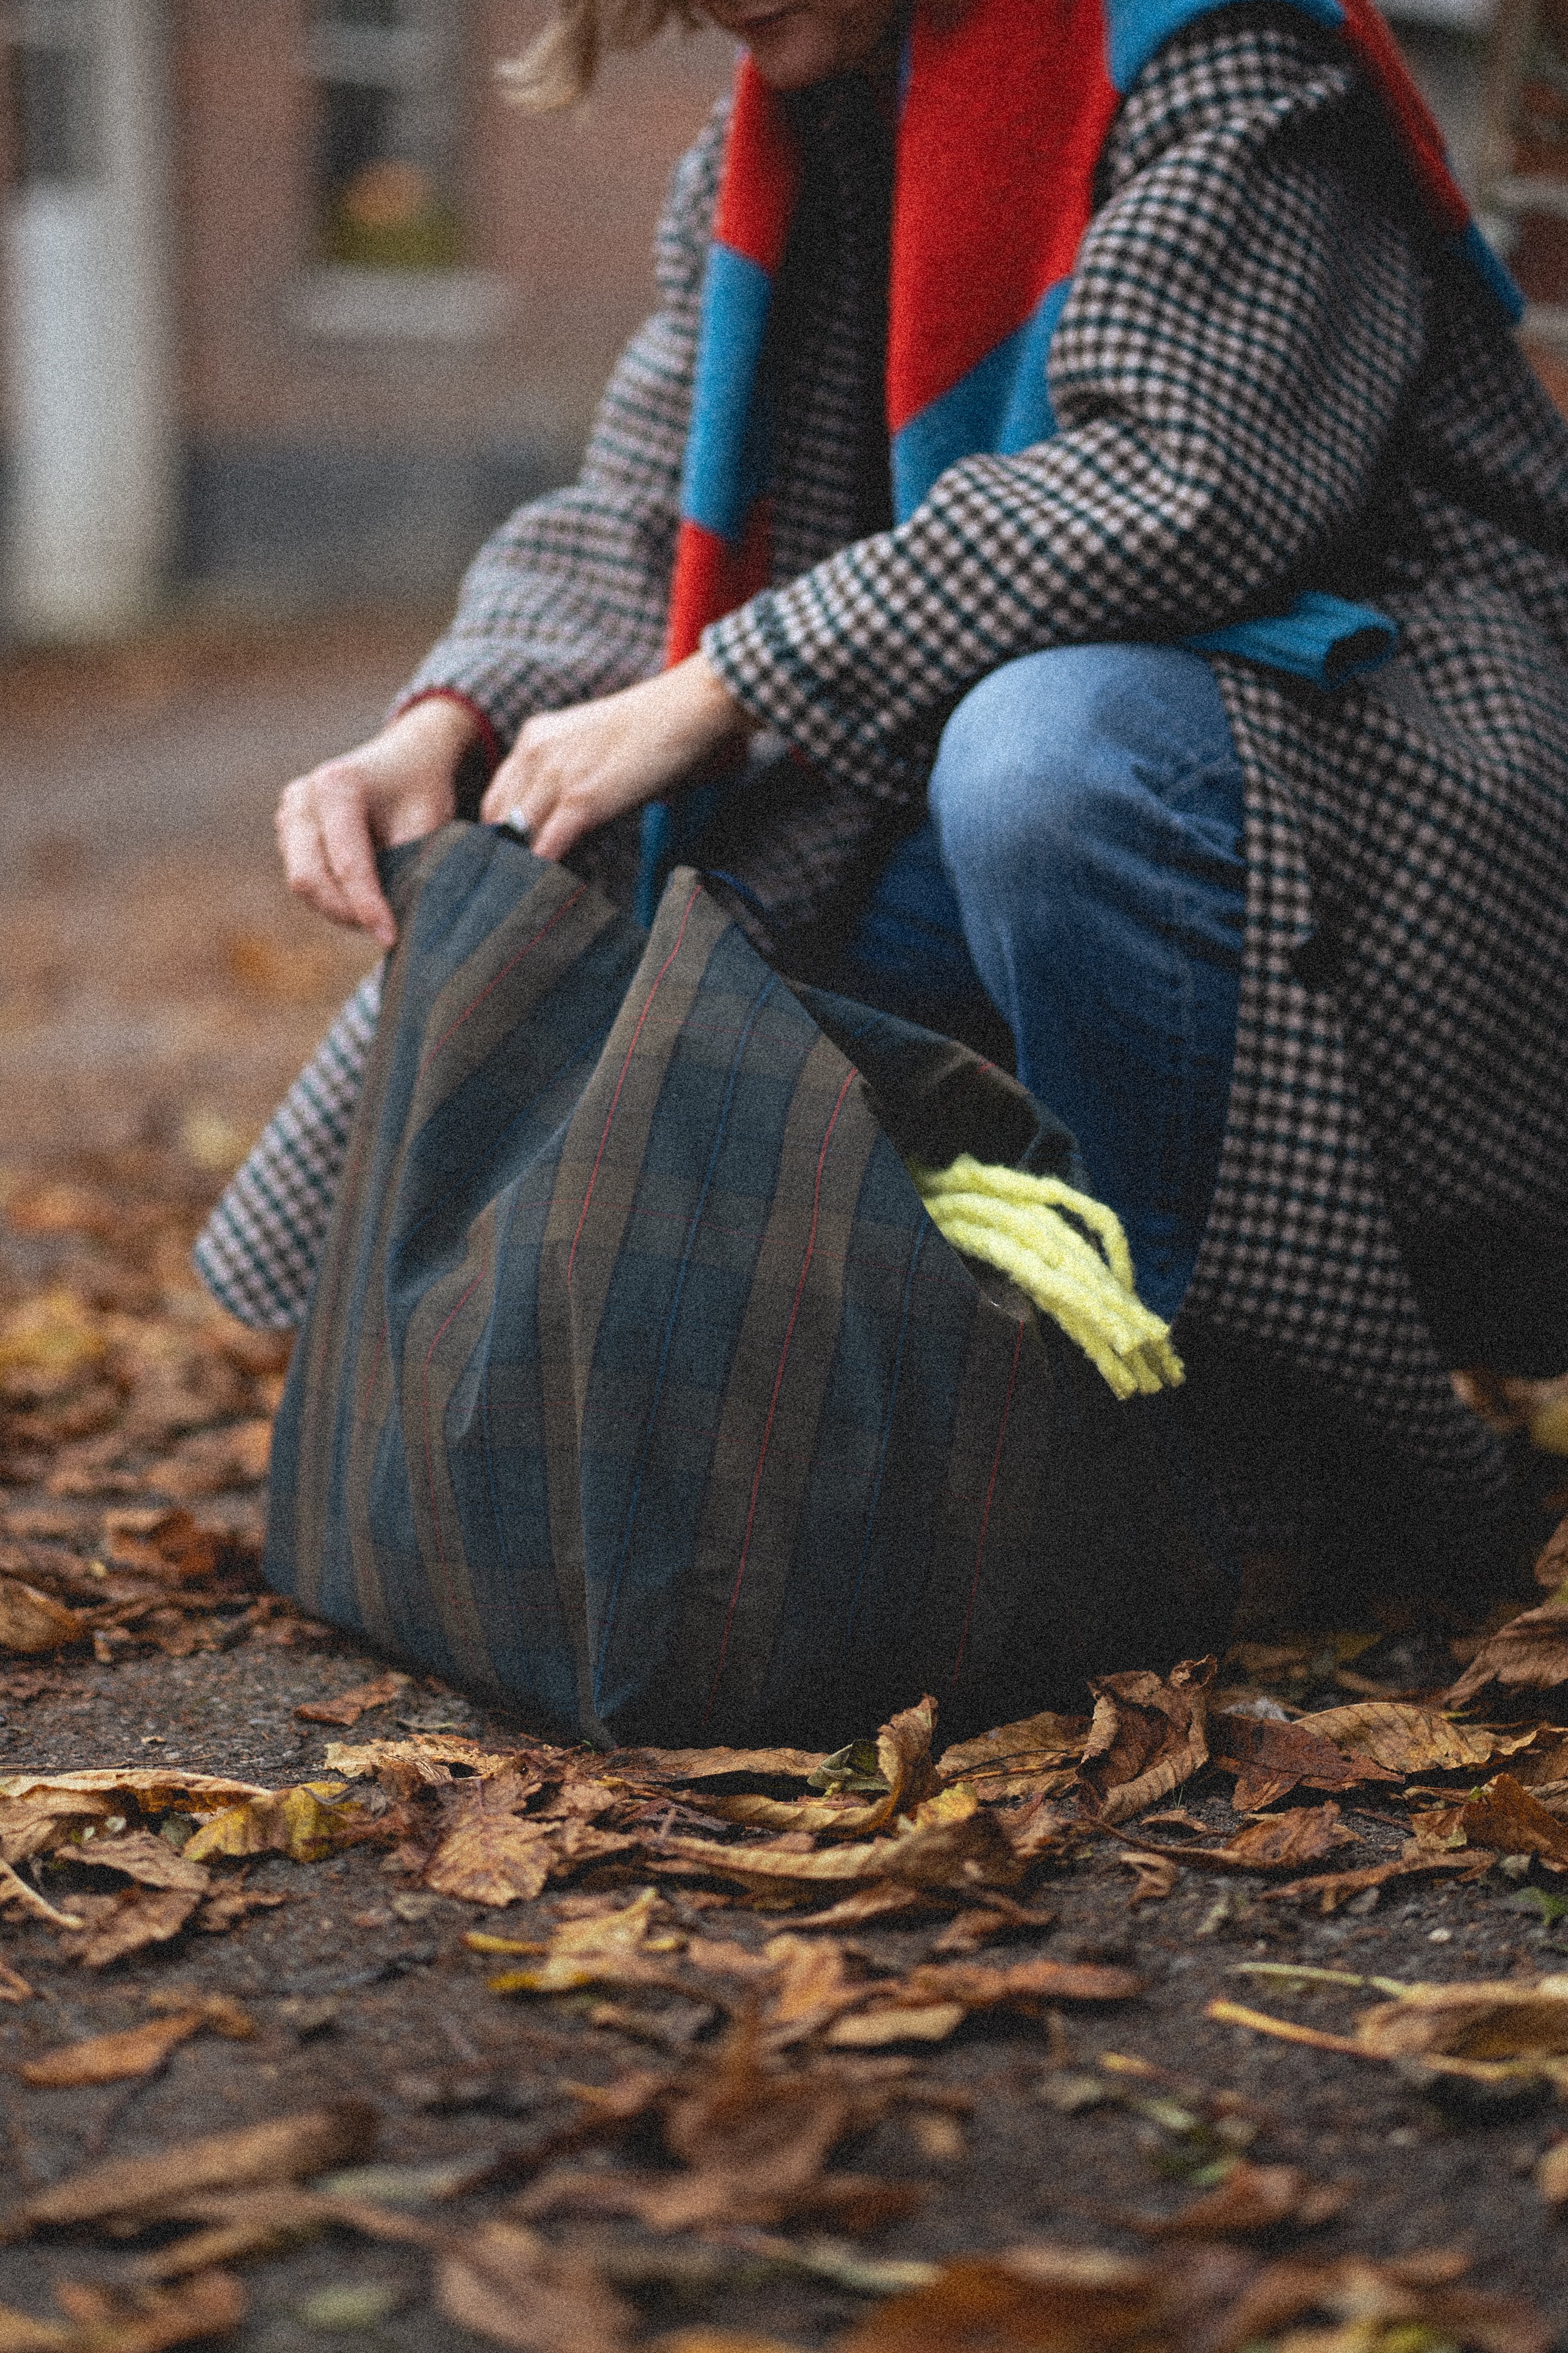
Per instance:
(711,578)
(620,1082)
(990,1495)
(489,741)
(774,1400)
(565,908)
(1006,113)
(762,174)
(1375,45)
(425,1409)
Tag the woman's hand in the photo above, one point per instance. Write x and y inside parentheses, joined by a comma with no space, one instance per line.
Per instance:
(571,771)
(397,788)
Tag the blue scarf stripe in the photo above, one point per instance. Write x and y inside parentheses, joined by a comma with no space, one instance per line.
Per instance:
(1003,405)
(1134,29)
(727,450)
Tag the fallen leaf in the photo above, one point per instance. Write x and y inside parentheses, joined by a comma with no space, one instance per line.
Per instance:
(214,1460)
(712,1764)
(425,1761)
(491,1854)
(30,1826)
(350,1706)
(1157,1876)
(1045,2300)
(1270,1759)
(984,1922)
(14,1986)
(1507,1818)
(964,1987)
(168,1543)
(604,1948)
(1148,1736)
(208,2306)
(1037,1743)
(948,1842)
(136,2189)
(156,1789)
(1409,1739)
(1552,2174)
(1253,2200)
(903,1760)
(1552,1568)
(506,2285)
(1333,1888)
(32,1622)
(1529,1655)
(304,1824)
(1477,2022)
(148,1859)
(13,1889)
(114,2058)
(1286,1842)
(115,1925)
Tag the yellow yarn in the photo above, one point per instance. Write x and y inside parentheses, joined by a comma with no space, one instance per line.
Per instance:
(1011,1222)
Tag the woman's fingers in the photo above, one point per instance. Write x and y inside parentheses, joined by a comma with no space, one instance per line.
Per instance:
(323,833)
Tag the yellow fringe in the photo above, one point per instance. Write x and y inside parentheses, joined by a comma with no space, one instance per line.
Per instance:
(1010,1221)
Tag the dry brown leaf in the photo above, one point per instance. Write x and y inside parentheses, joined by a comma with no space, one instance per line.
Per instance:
(1510,1820)
(423,1761)
(145,1857)
(168,1543)
(1045,2300)
(30,1826)
(1287,1841)
(1252,2200)
(139,2050)
(287,2149)
(1551,1569)
(984,1922)
(603,1948)
(1157,1876)
(304,1824)
(671,1765)
(506,2285)
(1529,1655)
(1333,1888)
(873,2030)
(960,1988)
(214,1460)
(115,1925)
(209,2305)
(1476,2021)
(154,1789)
(1060,2299)
(1270,1759)
(14,1986)
(32,1622)
(1148,1736)
(350,1706)
(1037,1743)
(491,1854)
(1552,2174)
(1410,1739)
(948,1842)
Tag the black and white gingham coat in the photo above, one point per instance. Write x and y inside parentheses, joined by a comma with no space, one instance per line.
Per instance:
(1268,378)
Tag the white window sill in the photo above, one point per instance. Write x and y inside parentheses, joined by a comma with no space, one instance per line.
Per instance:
(339,304)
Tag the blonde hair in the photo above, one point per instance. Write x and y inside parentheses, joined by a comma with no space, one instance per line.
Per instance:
(559,65)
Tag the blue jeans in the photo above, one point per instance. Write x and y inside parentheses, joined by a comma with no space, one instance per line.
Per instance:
(1083,871)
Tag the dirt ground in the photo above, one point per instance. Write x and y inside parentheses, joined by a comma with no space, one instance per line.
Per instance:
(157,990)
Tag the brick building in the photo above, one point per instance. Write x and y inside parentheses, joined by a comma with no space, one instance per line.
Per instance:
(294,303)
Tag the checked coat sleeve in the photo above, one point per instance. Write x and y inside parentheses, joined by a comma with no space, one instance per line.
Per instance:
(567,600)
(1224,385)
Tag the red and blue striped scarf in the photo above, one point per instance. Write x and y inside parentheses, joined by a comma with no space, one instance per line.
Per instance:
(1002,118)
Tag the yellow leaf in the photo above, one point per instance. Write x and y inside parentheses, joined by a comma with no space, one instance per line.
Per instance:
(304,1823)
(33,1622)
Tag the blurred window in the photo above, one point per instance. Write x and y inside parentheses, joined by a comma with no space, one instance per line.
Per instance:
(388,77)
(54,131)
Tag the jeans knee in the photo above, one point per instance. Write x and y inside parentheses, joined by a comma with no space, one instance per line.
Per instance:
(1021,766)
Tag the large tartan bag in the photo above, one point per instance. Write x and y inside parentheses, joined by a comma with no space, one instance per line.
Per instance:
(639,1390)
